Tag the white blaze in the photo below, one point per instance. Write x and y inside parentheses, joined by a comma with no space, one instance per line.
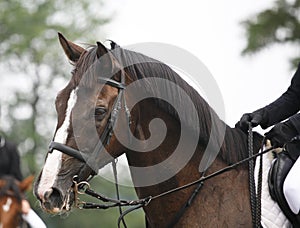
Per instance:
(53,161)
(6,206)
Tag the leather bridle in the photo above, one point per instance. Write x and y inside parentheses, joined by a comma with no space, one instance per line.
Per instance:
(108,130)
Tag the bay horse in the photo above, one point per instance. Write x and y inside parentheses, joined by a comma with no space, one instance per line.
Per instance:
(120,101)
(11,195)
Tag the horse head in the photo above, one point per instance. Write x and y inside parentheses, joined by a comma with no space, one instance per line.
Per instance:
(87,112)
(11,194)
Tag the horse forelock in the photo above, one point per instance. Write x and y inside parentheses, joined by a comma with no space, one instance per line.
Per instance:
(83,72)
(89,68)
(9,187)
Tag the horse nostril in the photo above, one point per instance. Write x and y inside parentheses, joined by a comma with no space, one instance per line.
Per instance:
(53,197)
(47,194)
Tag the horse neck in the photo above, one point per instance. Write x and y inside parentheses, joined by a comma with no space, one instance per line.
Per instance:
(235,145)
(230,151)
(156,156)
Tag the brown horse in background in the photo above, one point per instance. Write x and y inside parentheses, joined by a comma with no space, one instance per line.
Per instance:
(11,195)
(87,110)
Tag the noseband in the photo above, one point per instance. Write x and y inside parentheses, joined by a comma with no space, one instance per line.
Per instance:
(108,130)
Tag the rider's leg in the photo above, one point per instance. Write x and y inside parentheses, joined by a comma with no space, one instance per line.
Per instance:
(291,187)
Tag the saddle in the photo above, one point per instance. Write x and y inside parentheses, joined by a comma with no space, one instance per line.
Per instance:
(279,169)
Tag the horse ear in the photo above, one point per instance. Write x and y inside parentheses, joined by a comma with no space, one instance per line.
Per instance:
(113,44)
(102,53)
(73,51)
(26,183)
(101,50)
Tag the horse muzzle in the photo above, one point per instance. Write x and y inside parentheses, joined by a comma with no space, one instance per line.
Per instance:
(54,199)
(53,202)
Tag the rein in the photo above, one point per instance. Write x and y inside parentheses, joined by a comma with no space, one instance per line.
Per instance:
(255,197)
(251,176)
(84,188)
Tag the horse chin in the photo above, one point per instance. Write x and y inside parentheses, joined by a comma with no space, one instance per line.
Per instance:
(69,201)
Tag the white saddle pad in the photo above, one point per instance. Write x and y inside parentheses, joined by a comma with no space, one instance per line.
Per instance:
(271,214)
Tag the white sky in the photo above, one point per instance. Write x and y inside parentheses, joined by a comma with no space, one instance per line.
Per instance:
(211,31)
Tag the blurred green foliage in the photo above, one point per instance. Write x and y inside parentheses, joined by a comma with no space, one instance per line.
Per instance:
(277,25)
(30,54)
(29,47)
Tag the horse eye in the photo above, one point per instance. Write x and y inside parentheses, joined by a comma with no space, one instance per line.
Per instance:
(100,113)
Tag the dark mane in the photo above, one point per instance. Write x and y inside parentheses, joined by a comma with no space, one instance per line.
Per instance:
(138,66)
(10,188)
